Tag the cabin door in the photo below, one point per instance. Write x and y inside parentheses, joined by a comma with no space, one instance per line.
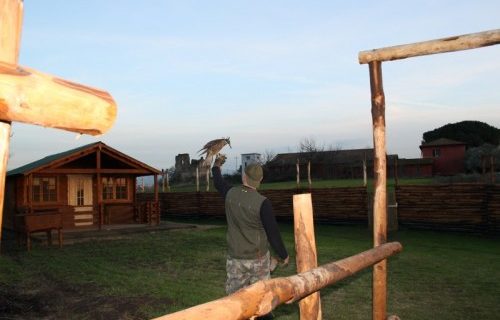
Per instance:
(80,198)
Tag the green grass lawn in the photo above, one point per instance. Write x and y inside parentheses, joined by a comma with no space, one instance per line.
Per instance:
(439,275)
(339,183)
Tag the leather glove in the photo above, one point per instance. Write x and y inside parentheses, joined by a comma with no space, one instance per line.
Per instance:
(219,160)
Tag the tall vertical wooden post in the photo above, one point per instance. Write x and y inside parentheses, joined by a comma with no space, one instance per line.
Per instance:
(11,18)
(379,310)
(207,176)
(309,181)
(298,174)
(155,206)
(396,169)
(365,174)
(166,180)
(492,169)
(156,187)
(162,180)
(197,179)
(305,246)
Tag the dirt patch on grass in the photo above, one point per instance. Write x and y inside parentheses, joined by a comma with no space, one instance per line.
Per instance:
(52,300)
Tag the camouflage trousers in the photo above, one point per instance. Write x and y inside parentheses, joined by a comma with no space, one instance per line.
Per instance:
(243,272)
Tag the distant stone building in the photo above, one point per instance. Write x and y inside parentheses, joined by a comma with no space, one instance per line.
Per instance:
(248,158)
(185,169)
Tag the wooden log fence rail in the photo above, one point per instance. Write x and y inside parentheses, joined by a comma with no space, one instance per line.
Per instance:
(264,296)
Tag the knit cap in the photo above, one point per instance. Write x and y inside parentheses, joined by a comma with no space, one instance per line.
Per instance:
(254,174)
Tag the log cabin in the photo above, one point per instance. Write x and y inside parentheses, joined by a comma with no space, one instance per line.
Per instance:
(85,188)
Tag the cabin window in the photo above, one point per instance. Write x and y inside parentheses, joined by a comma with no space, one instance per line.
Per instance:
(80,187)
(44,189)
(114,188)
(121,188)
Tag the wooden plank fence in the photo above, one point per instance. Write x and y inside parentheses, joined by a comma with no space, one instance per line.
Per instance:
(461,207)
(344,205)
(493,208)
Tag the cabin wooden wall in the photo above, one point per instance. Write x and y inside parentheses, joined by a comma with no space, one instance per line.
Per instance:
(9,204)
(119,213)
(114,212)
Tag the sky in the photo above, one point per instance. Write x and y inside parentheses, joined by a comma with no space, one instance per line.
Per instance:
(267,74)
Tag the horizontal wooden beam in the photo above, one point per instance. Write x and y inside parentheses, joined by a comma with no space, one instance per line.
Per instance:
(450,44)
(262,297)
(30,96)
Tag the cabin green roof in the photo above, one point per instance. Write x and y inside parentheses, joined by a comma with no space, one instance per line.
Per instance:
(59,156)
(48,159)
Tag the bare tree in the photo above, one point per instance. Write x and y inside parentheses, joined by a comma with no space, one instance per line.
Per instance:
(268,156)
(309,145)
(335,147)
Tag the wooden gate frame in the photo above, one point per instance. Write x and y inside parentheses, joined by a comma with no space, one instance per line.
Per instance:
(374,59)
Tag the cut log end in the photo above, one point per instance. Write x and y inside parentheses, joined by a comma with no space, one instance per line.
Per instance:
(33,97)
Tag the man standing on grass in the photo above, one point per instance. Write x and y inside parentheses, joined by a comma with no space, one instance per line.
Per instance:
(251,226)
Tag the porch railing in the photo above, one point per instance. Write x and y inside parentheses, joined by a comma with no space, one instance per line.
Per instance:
(147,212)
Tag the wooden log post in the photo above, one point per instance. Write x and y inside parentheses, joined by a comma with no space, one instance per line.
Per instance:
(305,247)
(197,179)
(396,176)
(365,174)
(262,297)
(166,178)
(162,180)
(298,174)
(492,169)
(309,181)
(154,212)
(207,179)
(4,156)
(11,17)
(380,189)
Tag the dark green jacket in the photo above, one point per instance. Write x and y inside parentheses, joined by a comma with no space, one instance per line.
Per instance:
(246,237)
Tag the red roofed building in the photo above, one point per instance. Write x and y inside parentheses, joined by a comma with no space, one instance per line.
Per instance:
(448,155)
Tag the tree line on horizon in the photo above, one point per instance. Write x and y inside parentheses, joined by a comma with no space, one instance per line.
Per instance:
(472,133)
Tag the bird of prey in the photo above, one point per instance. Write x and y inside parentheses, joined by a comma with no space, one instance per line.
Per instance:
(212,148)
